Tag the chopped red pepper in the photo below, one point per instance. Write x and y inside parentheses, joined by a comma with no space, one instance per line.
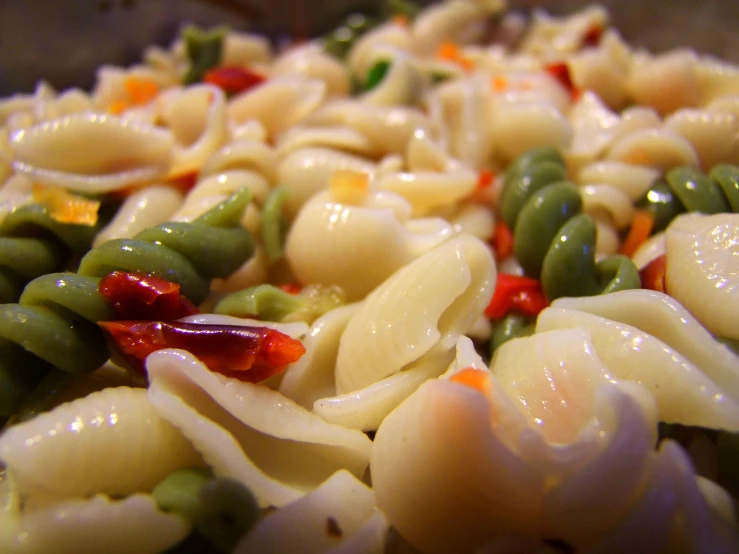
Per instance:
(502,241)
(136,296)
(485,179)
(250,354)
(185,181)
(592,36)
(561,72)
(516,294)
(291,288)
(653,275)
(233,80)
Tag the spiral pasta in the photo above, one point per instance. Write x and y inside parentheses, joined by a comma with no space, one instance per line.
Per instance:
(53,325)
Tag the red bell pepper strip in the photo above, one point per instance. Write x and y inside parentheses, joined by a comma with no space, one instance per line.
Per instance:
(561,72)
(653,275)
(518,294)
(233,80)
(250,354)
(136,296)
(502,241)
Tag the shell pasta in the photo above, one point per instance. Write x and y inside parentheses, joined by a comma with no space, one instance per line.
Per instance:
(457,279)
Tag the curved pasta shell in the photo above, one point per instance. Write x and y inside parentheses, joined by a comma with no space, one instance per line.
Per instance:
(312,377)
(634,180)
(683,393)
(667,82)
(637,118)
(306,171)
(593,126)
(340,138)
(92,152)
(664,318)
(278,103)
(703,269)
(251,433)
(658,148)
(400,85)
(433,300)
(242,154)
(455,20)
(110,442)
(99,524)
(361,56)
(651,249)
(609,199)
(427,190)
(312,62)
(595,70)
(714,135)
(300,527)
(144,208)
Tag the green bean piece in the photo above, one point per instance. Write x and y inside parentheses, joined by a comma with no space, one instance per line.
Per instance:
(265,302)
(696,191)
(520,184)
(376,74)
(569,267)
(727,447)
(510,327)
(663,204)
(727,177)
(539,221)
(221,509)
(536,156)
(273,224)
(204,50)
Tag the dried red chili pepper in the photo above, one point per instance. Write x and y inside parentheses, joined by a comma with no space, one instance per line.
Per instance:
(137,296)
(233,80)
(653,275)
(250,354)
(513,293)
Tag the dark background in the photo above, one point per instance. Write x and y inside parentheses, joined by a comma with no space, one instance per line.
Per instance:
(64,41)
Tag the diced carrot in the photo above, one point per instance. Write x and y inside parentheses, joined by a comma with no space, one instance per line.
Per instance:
(118,107)
(448,51)
(140,90)
(499,83)
(477,379)
(502,241)
(400,19)
(641,226)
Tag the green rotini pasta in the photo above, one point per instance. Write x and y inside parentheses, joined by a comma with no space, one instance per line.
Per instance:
(54,324)
(32,243)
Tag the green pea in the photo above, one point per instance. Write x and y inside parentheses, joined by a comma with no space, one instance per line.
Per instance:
(522,183)
(570,270)
(663,204)
(273,224)
(727,447)
(696,191)
(221,509)
(376,74)
(510,327)
(536,156)
(265,302)
(228,510)
(727,177)
(539,221)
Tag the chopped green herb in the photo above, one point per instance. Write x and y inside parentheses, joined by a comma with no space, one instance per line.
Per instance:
(376,74)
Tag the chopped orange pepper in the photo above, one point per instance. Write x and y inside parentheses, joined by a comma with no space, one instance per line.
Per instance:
(502,241)
(448,51)
(118,107)
(66,207)
(641,226)
(140,90)
(485,179)
(291,288)
(184,182)
(499,84)
(477,379)
(400,19)
(349,186)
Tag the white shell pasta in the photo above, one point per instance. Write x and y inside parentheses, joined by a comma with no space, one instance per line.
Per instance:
(658,148)
(341,503)
(634,180)
(310,61)
(92,152)
(703,269)
(134,524)
(110,442)
(714,135)
(251,433)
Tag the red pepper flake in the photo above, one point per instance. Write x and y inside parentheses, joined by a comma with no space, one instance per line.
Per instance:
(291,288)
(233,80)
(592,36)
(516,294)
(502,241)
(137,296)
(653,275)
(250,354)
(561,72)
